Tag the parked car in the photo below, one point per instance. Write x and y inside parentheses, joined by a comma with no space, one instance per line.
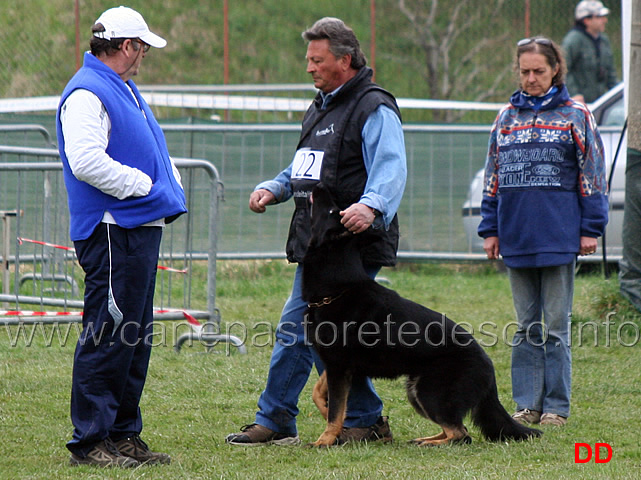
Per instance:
(609,113)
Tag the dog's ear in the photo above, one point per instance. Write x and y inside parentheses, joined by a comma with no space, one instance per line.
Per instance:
(367,238)
(325,214)
(322,196)
(322,202)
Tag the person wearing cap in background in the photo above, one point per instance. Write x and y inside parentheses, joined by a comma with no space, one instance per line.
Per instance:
(588,54)
(122,189)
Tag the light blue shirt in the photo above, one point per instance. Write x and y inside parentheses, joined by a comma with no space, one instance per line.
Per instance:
(385,163)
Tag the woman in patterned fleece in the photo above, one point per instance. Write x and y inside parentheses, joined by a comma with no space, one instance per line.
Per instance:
(544,203)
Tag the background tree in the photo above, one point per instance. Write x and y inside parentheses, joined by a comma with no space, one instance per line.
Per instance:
(454,66)
(440,49)
(630,265)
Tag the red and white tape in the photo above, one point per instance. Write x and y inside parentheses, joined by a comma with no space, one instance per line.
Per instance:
(195,325)
(34,313)
(71,249)
(40,313)
(46,244)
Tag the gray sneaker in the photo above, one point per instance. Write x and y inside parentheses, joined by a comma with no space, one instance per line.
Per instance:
(134,447)
(255,435)
(527,416)
(553,419)
(105,454)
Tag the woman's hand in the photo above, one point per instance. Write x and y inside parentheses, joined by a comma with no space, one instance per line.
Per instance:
(588,246)
(491,247)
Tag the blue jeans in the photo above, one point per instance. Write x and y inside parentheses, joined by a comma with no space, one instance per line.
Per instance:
(291,364)
(541,358)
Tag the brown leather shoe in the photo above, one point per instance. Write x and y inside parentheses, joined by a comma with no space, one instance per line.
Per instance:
(254,435)
(134,447)
(105,454)
(379,431)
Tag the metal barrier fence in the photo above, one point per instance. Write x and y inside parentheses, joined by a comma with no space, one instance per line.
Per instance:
(45,274)
(25,135)
(442,161)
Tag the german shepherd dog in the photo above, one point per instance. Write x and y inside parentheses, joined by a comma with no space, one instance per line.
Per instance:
(360,328)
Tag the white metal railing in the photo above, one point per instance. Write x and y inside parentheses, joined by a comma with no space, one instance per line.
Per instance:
(44,269)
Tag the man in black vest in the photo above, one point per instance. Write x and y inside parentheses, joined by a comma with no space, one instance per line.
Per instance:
(352,141)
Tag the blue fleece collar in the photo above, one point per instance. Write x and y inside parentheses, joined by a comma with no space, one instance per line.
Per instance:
(554,97)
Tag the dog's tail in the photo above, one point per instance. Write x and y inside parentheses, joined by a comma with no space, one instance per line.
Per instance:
(496,424)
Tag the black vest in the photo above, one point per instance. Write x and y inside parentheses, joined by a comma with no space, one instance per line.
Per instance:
(331,150)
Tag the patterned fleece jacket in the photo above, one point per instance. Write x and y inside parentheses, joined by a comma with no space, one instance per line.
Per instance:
(545,184)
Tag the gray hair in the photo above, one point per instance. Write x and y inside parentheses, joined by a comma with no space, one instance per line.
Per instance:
(342,39)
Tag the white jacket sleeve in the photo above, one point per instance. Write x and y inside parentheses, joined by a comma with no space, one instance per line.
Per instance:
(86,128)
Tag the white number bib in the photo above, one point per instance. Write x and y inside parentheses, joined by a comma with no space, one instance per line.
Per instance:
(307,164)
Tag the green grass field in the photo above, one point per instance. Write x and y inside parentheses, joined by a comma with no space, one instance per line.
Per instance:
(193,399)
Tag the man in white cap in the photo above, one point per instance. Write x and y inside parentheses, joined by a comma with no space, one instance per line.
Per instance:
(588,54)
(122,189)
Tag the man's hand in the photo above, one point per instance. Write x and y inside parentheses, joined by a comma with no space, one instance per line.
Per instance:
(357,217)
(259,200)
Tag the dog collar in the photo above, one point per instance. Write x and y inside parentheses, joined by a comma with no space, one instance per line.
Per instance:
(325,301)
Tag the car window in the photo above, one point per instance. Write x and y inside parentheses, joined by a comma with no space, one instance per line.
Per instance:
(614,115)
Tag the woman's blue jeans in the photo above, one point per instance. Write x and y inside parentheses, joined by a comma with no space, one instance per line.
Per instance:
(541,358)
(291,364)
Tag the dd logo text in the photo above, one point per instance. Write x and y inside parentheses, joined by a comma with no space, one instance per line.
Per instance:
(583,452)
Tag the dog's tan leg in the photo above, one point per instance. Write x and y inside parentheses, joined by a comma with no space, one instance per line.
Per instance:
(338,390)
(319,395)
(449,435)
(419,441)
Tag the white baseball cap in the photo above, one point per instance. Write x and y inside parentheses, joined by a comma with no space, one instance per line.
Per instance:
(124,22)
(590,8)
